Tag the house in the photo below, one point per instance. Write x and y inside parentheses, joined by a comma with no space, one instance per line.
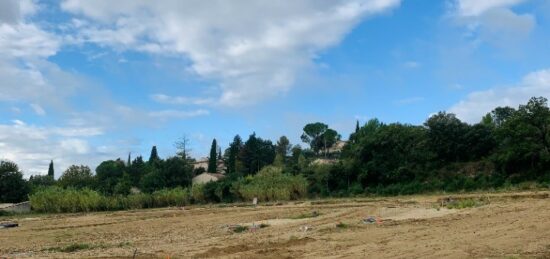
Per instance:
(324,161)
(337,147)
(334,151)
(203,163)
(207,177)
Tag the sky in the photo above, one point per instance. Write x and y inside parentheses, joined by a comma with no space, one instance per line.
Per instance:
(86,81)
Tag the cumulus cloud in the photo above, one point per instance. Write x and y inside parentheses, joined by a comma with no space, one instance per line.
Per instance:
(26,73)
(479,103)
(494,21)
(32,146)
(254,49)
(477,8)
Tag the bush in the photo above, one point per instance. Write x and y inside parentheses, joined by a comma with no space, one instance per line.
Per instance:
(272,184)
(171,197)
(197,193)
(57,200)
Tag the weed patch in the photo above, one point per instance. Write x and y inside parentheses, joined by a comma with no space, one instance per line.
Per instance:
(467,203)
(341,225)
(313,214)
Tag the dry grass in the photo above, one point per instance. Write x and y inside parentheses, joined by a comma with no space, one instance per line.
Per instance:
(511,225)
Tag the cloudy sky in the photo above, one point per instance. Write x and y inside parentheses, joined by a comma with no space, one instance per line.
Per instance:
(84,81)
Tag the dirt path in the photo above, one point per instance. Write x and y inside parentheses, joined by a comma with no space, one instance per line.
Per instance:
(511,225)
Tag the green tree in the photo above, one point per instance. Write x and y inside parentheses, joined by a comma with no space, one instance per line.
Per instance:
(524,140)
(51,170)
(312,135)
(283,146)
(447,137)
(124,185)
(279,161)
(38,181)
(13,188)
(255,154)
(76,176)
(129,161)
(137,170)
(387,154)
(212,159)
(233,154)
(328,139)
(177,171)
(108,173)
(501,114)
(154,157)
(152,181)
(319,137)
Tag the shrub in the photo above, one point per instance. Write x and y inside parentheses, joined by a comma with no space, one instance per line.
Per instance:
(57,200)
(197,193)
(272,184)
(171,197)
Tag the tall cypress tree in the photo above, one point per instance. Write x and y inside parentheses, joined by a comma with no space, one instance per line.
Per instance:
(129,163)
(154,155)
(357,127)
(50,170)
(212,160)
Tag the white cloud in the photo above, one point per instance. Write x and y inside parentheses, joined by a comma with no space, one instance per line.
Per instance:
(494,21)
(180,100)
(477,7)
(27,75)
(254,49)
(477,104)
(32,147)
(177,114)
(411,64)
(77,146)
(27,41)
(38,109)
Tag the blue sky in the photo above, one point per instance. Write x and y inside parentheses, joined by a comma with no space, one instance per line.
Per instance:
(86,81)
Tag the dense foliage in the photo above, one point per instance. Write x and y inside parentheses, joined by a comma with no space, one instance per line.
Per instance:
(508,146)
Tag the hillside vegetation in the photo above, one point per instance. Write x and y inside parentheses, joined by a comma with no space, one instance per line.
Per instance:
(508,147)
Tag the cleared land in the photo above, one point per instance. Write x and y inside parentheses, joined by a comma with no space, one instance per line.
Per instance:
(496,226)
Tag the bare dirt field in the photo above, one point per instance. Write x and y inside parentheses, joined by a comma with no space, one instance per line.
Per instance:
(508,225)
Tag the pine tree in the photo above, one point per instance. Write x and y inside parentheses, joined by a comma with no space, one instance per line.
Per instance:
(212,160)
(50,170)
(154,155)
(129,163)
(357,127)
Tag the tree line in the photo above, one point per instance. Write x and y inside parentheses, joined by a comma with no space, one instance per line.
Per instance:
(508,146)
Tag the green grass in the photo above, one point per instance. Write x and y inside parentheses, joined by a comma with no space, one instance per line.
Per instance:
(83,246)
(342,225)
(71,248)
(240,229)
(467,203)
(313,214)
(5,213)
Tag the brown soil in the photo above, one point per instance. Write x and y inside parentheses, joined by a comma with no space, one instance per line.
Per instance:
(511,225)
